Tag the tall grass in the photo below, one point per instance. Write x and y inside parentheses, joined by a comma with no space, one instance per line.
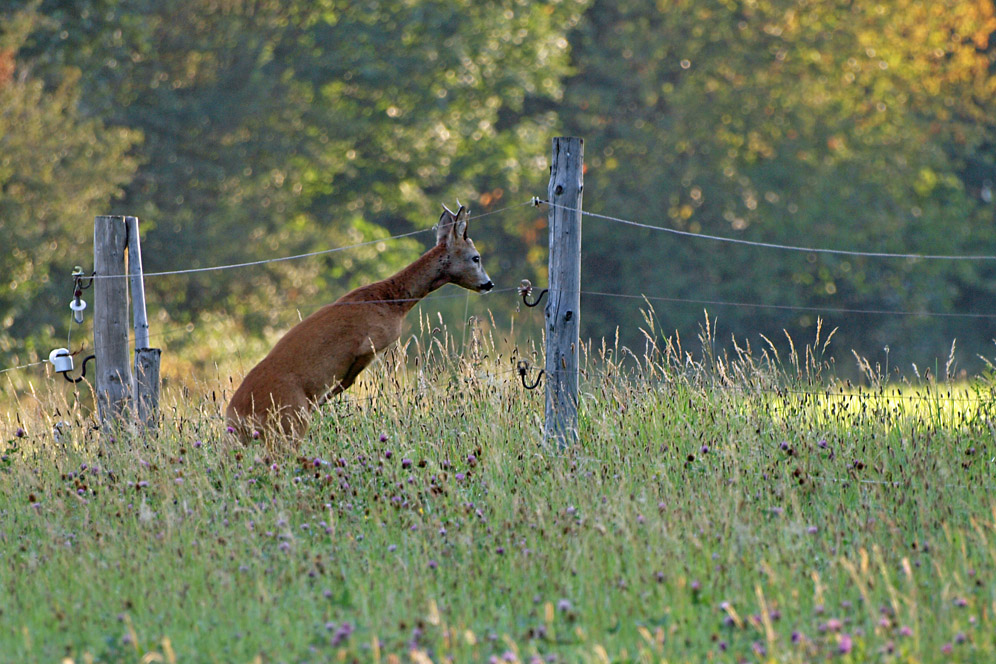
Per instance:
(737,507)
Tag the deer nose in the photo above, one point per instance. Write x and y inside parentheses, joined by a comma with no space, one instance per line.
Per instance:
(486,287)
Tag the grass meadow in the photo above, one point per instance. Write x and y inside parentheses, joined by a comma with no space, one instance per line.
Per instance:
(737,508)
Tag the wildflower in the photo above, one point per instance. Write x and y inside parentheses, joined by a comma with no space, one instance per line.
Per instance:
(812,530)
(388,454)
(844,645)
(471,459)
(905,631)
(564,605)
(406,463)
(460,477)
(784,446)
(198,444)
(230,429)
(19,433)
(433,564)
(961,602)
(255,435)
(947,648)
(796,637)
(822,444)
(704,449)
(500,550)
(392,548)
(383,437)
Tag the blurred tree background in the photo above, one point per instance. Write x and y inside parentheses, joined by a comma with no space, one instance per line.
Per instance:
(242,130)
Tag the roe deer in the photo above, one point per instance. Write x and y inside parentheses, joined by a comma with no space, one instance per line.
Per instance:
(322,355)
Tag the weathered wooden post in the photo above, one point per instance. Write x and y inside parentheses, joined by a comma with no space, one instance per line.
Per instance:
(563,308)
(146,385)
(110,320)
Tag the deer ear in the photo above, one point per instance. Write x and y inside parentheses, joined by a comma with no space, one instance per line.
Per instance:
(461,222)
(444,228)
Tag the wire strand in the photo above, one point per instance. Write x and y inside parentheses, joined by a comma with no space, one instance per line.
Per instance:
(772,245)
(310,254)
(24,366)
(793,307)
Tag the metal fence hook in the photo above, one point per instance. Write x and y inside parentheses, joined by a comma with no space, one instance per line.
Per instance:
(523,368)
(65,374)
(78,278)
(525,288)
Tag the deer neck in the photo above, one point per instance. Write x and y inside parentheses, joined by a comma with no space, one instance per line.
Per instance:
(419,279)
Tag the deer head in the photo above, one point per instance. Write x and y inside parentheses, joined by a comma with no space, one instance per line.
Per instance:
(463,260)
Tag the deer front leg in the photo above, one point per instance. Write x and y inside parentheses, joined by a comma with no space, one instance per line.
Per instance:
(358,365)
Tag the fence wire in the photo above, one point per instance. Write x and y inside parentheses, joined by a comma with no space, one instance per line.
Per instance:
(772,245)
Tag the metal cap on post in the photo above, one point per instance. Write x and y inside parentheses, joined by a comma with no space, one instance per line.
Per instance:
(563,309)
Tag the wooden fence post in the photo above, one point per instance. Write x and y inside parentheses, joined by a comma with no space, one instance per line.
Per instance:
(146,383)
(110,320)
(563,308)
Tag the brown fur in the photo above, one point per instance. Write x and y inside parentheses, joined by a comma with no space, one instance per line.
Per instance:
(323,354)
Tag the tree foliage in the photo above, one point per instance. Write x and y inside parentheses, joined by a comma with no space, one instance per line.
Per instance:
(244,130)
(55,166)
(832,124)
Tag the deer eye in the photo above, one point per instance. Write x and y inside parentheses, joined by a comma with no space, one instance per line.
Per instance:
(476,259)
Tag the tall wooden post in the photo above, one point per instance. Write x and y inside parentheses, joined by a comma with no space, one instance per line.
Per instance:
(563,309)
(146,383)
(110,322)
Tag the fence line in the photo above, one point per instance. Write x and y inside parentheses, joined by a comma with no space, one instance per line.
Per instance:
(24,366)
(786,247)
(306,255)
(534,201)
(793,307)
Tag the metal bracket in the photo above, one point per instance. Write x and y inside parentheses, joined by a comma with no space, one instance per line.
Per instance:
(77,379)
(523,369)
(525,288)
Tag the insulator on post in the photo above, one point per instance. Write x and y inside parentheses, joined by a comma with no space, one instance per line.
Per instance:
(77,305)
(61,359)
